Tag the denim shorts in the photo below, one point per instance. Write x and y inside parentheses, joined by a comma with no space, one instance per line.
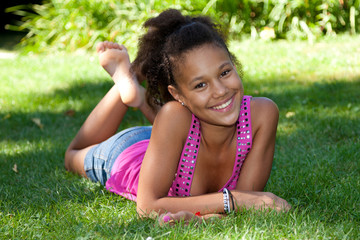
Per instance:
(100,158)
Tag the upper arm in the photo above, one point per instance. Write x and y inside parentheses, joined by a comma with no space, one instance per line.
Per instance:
(162,156)
(257,166)
(264,120)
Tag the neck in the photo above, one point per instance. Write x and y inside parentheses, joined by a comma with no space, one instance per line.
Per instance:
(217,137)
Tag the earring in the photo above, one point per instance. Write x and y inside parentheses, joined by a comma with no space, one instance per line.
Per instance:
(181,103)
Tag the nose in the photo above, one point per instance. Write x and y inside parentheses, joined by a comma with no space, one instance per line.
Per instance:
(219,89)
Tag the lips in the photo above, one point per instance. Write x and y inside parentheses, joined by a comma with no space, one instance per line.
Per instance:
(223,105)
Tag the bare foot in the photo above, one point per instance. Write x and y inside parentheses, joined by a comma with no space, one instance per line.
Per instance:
(114,58)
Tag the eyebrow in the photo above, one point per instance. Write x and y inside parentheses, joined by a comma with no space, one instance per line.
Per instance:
(220,67)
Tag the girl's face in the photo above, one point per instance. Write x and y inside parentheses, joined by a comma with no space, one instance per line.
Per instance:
(209,85)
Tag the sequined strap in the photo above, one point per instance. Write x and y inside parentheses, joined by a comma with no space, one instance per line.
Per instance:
(185,172)
(244,141)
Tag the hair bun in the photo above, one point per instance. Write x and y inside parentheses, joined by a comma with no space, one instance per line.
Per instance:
(167,22)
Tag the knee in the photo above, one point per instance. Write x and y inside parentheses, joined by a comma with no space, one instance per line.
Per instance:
(74,160)
(67,160)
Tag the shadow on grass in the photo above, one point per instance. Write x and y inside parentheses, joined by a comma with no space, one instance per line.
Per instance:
(326,111)
(287,93)
(317,148)
(64,112)
(40,179)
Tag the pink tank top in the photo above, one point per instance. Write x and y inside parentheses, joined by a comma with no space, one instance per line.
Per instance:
(184,176)
(125,171)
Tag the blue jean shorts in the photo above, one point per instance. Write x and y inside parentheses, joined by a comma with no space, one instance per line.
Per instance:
(100,158)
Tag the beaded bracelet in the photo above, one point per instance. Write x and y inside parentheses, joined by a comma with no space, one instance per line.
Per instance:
(232,201)
(226,197)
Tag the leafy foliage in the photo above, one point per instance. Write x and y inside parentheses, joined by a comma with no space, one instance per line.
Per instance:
(73,24)
(298,19)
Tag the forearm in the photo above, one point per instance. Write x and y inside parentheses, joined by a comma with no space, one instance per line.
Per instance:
(213,203)
(102,122)
(203,204)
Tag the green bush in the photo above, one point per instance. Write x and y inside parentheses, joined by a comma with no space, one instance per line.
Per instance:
(295,18)
(79,24)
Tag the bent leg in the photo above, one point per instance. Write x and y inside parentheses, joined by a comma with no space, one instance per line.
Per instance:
(115,60)
(101,124)
(106,117)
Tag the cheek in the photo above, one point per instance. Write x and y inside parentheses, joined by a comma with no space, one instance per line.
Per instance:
(197,101)
(241,86)
(237,83)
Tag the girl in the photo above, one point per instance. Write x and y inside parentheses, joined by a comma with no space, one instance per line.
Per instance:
(210,149)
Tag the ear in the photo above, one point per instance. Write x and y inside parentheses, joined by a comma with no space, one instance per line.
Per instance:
(174,92)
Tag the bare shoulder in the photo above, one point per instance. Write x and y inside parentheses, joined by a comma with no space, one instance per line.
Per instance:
(264,113)
(174,107)
(173,114)
(261,104)
(171,124)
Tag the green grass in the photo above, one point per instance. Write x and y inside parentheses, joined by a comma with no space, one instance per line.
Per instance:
(316,166)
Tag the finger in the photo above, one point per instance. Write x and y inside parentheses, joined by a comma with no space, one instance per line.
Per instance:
(165,218)
(283,207)
(288,207)
(182,215)
(212,216)
(186,217)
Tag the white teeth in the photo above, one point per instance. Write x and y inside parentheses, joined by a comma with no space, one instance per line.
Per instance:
(224,105)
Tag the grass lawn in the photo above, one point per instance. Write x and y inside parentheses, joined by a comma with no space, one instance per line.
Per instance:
(45,99)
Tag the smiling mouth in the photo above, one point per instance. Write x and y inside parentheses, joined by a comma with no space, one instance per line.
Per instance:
(224,105)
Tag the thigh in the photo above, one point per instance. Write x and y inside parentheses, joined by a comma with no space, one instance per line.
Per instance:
(100,158)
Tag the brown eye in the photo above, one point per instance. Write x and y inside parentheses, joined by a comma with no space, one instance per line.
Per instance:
(200,85)
(224,73)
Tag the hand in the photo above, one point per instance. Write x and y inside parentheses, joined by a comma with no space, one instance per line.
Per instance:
(260,201)
(172,218)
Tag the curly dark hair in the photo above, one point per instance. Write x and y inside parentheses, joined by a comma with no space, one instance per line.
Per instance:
(169,36)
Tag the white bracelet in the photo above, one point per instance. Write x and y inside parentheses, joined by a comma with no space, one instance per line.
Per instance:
(226,200)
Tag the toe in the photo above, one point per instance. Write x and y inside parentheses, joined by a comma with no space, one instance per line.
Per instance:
(100,47)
